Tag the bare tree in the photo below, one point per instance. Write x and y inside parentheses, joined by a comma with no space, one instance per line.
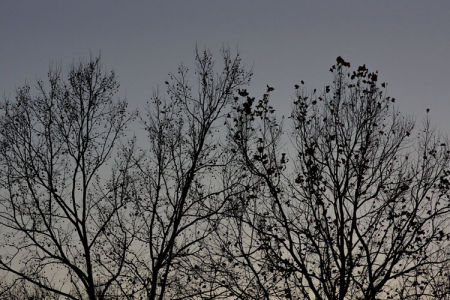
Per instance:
(59,213)
(363,202)
(182,185)
(219,204)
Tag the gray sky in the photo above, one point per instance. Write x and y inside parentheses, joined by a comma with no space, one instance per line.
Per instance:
(285,42)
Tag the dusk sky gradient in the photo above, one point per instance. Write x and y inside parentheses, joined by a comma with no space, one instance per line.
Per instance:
(407,41)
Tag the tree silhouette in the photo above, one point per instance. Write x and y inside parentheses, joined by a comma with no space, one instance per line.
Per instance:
(361,204)
(181,182)
(221,201)
(59,212)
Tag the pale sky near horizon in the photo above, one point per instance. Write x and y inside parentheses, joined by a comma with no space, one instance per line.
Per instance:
(407,41)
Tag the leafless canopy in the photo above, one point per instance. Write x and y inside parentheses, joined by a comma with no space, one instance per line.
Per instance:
(219,200)
(362,201)
(182,183)
(58,208)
